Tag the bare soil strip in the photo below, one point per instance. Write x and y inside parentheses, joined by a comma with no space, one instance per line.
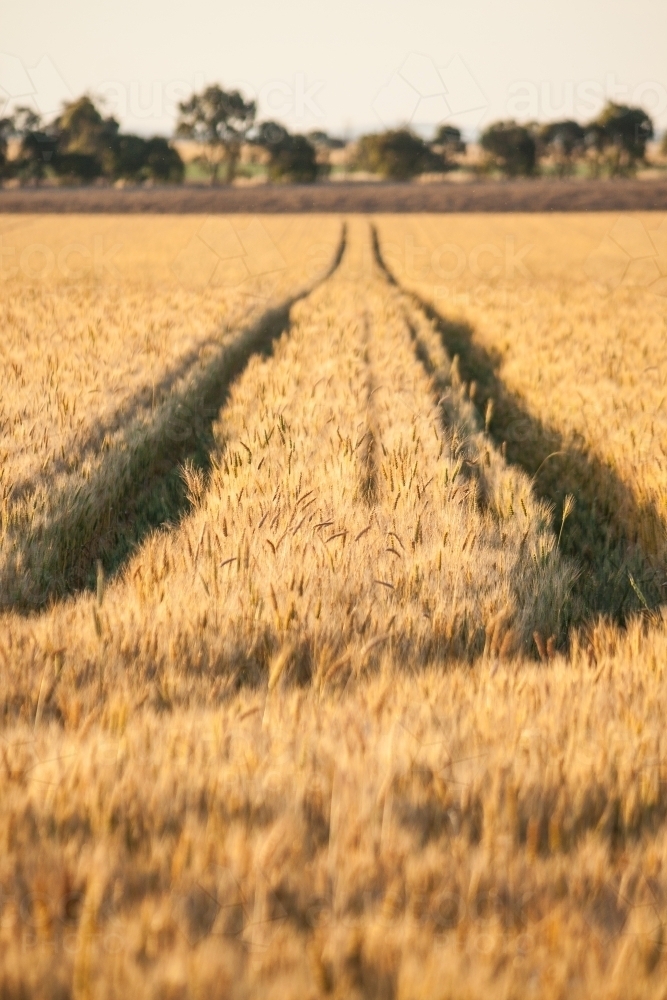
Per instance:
(538,195)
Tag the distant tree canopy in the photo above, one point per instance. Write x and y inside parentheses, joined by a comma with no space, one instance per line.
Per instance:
(617,138)
(291,157)
(397,155)
(81,145)
(270,134)
(83,132)
(37,147)
(140,159)
(318,138)
(294,160)
(163,162)
(511,148)
(447,143)
(449,138)
(613,143)
(6,133)
(220,121)
(37,152)
(562,142)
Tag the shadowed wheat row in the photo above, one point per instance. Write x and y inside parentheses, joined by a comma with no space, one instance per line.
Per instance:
(48,554)
(352,507)
(612,535)
(181,814)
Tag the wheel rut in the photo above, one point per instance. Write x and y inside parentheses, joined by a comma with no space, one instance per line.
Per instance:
(101,521)
(617,576)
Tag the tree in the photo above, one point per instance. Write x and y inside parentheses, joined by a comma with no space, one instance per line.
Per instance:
(77,167)
(220,121)
(594,144)
(270,135)
(291,157)
(324,145)
(511,148)
(138,159)
(81,145)
(617,138)
(562,142)
(447,143)
(6,133)
(37,144)
(163,161)
(320,139)
(129,158)
(25,120)
(448,137)
(85,136)
(21,124)
(37,151)
(397,154)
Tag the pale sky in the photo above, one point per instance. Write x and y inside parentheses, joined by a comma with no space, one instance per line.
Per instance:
(342,65)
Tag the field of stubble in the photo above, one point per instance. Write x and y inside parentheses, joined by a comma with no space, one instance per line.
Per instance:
(332,660)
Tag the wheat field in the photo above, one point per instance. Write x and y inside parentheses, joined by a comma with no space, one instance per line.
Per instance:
(561,323)
(333,658)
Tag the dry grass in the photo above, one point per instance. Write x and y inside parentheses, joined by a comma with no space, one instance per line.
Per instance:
(300,743)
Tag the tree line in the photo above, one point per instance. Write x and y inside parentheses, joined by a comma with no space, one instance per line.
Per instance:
(614,144)
(81,145)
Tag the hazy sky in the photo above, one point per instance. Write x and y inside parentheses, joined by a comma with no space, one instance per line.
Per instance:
(341,65)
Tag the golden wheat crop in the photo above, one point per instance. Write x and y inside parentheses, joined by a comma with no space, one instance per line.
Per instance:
(298,741)
(106,322)
(561,322)
(99,315)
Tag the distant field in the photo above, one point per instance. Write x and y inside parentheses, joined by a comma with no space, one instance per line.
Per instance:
(332,558)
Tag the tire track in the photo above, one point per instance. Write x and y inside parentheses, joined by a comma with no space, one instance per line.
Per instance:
(285,570)
(616,576)
(106,517)
(462,540)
